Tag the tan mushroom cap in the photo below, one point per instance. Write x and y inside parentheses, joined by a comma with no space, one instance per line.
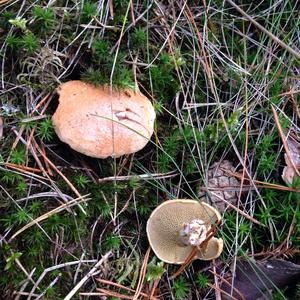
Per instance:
(99,122)
(166,221)
(213,250)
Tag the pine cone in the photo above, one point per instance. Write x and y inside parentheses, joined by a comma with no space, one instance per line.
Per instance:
(222,184)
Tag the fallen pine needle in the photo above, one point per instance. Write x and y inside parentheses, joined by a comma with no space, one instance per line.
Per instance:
(253,220)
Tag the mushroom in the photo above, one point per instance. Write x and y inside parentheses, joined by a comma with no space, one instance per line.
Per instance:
(176,226)
(99,122)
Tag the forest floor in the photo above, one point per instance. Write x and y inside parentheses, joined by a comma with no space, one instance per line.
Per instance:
(223,77)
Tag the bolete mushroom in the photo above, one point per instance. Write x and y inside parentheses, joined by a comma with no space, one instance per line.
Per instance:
(100,122)
(176,226)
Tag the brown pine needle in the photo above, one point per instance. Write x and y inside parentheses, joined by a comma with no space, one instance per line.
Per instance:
(21,168)
(263,184)
(117,285)
(193,253)
(52,165)
(253,220)
(142,275)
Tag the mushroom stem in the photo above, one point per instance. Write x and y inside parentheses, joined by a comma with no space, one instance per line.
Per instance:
(193,233)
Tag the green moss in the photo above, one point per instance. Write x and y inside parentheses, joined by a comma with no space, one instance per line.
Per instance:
(30,43)
(44,19)
(89,10)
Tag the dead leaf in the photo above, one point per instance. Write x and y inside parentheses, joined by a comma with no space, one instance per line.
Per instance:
(256,279)
(289,172)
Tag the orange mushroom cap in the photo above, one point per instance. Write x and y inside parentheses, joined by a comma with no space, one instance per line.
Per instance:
(99,122)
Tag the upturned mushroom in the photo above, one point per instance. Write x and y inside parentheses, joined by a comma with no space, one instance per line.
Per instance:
(99,122)
(177,226)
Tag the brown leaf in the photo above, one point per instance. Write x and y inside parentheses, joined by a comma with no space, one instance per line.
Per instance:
(289,171)
(256,279)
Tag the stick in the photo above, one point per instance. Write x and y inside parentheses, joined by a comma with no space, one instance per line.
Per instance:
(87,276)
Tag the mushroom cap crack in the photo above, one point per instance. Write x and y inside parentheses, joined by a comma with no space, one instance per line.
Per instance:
(130,116)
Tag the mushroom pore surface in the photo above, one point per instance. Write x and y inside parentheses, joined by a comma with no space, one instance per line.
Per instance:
(166,223)
(213,250)
(99,122)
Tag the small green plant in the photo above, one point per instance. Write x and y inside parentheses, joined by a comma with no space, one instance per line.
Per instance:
(158,107)
(22,216)
(144,209)
(10,177)
(45,130)
(296,182)
(54,223)
(139,38)
(89,10)
(9,220)
(19,217)
(178,58)
(112,242)
(44,17)
(266,143)
(30,43)
(36,239)
(244,229)
(123,78)
(155,270)
(278,295)
(105,211)
(134,183)
(170,150)
(21,186)
(7,15)
(164,81)
(166,59)
(19,23)
(217,131)
(181,288)
(18,156)
(35,208)
(94,77)
(202,281)
(101,51)
(10,260)
(81,181)
(264,214)
(51,293)
(267,163)
(13,42)
(190,166)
